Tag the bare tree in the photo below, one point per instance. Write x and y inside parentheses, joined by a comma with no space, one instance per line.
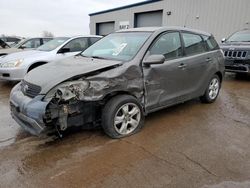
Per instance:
(47,34)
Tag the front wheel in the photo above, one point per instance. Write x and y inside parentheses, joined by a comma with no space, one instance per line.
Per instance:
(122,116)
(212,90)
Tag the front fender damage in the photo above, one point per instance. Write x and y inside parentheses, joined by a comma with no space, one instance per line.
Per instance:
(85,108)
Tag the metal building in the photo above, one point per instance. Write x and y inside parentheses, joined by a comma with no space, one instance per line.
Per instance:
(220,17)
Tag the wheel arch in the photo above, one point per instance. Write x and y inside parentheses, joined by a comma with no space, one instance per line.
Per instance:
(36,64)
(110,95)
(220,75)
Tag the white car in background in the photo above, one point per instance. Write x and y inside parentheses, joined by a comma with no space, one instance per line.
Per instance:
(13,67)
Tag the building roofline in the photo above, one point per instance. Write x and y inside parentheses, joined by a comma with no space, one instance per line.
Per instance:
(124,7)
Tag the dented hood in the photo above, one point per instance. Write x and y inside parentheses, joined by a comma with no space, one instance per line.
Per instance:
(52,74)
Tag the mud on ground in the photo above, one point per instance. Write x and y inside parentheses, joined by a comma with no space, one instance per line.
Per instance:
(189,145)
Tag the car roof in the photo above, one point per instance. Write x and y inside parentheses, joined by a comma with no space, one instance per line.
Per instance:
(244,31)
(155,29)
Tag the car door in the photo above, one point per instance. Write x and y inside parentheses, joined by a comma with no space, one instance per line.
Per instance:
(197,60)
(73,48)
(165,84)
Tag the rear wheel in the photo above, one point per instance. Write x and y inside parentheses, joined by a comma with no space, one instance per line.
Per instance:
(122,116)
(212,90)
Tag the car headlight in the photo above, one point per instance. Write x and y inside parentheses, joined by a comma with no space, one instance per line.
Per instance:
(68,90)
(12,64)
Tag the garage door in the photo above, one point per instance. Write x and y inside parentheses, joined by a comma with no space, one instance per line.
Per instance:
(105,28)
(148,19)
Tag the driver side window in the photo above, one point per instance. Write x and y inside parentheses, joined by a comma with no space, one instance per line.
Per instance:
(32,43)
(169,45)
(77,45)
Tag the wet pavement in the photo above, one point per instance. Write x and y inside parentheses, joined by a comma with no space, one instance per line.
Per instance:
(189,145)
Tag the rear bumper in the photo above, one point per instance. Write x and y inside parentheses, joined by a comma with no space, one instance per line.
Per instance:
(28,112)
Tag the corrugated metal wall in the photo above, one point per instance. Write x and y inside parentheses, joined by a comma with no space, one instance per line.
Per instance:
(220,17)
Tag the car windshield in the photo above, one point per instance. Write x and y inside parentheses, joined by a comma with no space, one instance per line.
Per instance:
(53,44)
(241,36)
(117,46)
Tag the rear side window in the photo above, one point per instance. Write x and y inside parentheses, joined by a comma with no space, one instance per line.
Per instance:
(169,45)
(210,43)
(193,44)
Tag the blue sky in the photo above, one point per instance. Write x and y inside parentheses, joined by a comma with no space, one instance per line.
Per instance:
(29,18)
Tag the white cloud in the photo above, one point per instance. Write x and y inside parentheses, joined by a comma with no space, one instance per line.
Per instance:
(28,18)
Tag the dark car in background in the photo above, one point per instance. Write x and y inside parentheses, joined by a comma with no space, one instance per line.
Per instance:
(237,52)
(120,79)
(3,45)
(25,44)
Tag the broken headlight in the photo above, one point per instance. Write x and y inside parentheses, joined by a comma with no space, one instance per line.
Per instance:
(68,90)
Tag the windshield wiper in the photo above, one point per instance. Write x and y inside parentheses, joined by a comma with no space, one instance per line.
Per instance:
(97,57)
(94,56)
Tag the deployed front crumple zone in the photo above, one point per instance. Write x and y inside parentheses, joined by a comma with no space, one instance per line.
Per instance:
(69,107)
(64,103)
(28,112)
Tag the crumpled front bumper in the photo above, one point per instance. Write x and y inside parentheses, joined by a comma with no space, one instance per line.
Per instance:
(28,112)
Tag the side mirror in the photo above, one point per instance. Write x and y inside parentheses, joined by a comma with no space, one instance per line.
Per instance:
(63,50)
(223,40)
(154,60)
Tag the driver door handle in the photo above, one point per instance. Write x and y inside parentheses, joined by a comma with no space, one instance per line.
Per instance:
(208,59)
(182,66)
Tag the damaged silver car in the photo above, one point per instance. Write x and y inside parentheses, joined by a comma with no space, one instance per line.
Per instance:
(120,79)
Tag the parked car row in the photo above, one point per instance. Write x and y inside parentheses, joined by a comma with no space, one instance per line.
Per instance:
(113,83)
(3,45)
(10,40)
(25,44)
(14,66)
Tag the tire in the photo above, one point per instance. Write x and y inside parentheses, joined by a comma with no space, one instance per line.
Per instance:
(129,114)
(212,91)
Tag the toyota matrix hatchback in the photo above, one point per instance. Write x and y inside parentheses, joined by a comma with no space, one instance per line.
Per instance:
(120,79)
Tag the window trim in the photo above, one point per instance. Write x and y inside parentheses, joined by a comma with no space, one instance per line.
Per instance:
(159,36)
(207,46)
(184,48)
